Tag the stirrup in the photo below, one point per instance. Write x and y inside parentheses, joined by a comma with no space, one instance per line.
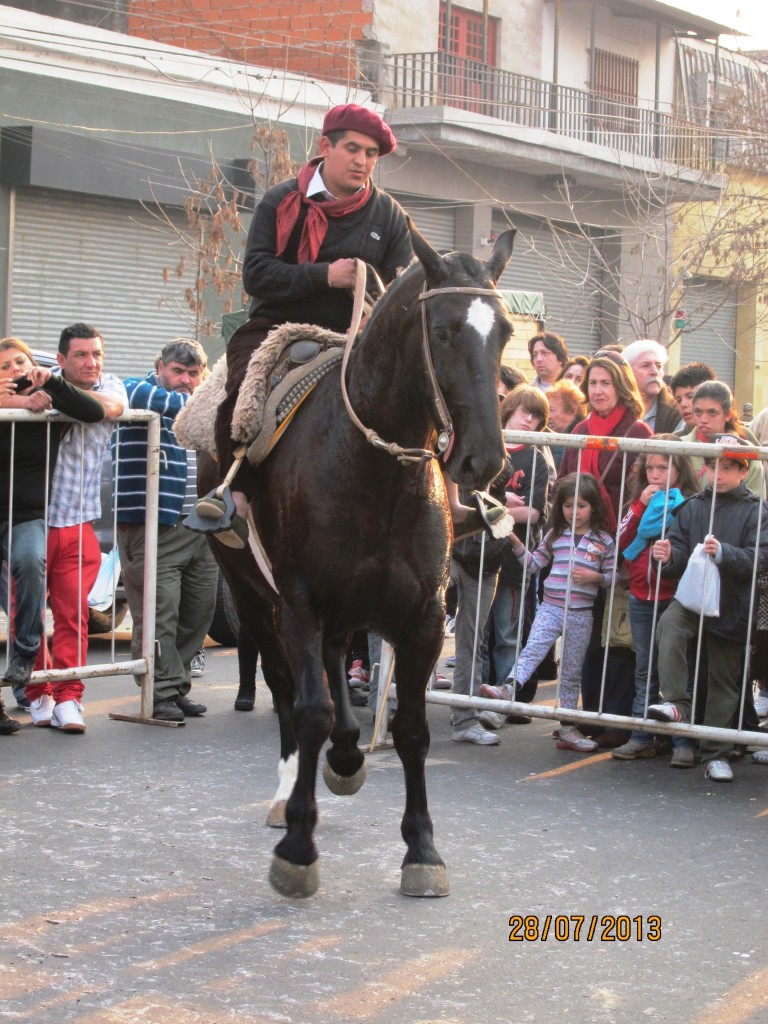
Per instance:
(236,536)
(489,515)
(205,524)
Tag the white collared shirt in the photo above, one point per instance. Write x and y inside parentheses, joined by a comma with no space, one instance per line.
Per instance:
(317,186)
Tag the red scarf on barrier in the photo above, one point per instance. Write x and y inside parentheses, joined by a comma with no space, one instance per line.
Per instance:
(316,223)
(601,426)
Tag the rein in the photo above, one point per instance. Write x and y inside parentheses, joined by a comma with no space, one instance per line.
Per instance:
(404,455)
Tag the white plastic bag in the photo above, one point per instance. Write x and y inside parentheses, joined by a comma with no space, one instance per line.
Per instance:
(103,590)
(699,586)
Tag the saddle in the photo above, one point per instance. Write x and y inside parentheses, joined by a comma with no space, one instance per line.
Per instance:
(281,373)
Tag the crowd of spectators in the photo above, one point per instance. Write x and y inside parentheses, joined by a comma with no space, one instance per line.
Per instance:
(52,552)
(549,580)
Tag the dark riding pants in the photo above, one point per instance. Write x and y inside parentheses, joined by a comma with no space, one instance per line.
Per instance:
(241,347)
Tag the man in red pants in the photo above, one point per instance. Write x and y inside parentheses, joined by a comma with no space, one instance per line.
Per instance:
(74,555)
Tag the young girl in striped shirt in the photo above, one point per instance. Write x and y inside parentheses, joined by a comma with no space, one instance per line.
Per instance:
(577,522)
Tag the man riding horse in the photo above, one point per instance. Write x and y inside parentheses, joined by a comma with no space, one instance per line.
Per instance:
(300,264)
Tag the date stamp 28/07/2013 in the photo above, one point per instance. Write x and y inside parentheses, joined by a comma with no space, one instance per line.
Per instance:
(584,928)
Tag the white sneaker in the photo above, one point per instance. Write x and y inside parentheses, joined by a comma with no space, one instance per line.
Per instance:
(41,710)
(761,705)
(197,665)
(475,733)
(68,716)
(719,771)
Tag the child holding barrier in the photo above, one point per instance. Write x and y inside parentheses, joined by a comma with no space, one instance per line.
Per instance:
(662,483)
(729,535)
(581,553)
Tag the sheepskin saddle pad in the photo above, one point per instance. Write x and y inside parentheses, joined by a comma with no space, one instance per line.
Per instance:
(281,373)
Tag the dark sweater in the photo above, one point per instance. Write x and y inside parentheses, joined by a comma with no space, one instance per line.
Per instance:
(29,450)
(283,291)
(735,526)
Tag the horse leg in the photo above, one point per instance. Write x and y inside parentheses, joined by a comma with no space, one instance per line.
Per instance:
(294,865)
(344,769)
(256,613)
(278,677)
(423,872)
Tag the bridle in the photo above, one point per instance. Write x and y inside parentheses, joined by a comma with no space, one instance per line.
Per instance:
(445,426)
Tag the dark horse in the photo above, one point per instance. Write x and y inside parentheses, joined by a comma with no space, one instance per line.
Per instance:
(360,540)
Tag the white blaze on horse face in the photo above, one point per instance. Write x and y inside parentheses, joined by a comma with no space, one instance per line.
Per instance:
(481,316)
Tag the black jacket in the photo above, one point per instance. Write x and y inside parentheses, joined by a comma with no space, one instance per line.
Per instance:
(29,450)
(284,291)
(667,414)
(735,526)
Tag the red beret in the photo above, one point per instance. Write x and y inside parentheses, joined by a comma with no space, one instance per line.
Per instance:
(349,117)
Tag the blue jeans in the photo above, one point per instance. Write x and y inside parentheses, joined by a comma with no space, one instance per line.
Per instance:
(641,622)
(27,566)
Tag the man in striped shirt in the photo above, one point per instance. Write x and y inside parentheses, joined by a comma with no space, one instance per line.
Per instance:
(186,571)
(74,555)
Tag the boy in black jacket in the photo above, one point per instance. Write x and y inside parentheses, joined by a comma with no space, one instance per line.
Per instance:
(732,546)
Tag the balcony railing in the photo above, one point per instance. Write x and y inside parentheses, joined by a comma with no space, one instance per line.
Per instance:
(442,79)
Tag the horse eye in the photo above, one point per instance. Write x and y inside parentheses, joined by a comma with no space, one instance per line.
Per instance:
(441,333)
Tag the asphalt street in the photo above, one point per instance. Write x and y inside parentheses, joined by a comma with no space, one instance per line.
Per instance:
(134,881)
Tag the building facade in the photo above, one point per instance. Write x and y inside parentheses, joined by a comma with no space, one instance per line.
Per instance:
(562,120)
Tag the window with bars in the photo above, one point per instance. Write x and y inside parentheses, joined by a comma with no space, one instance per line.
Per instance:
(615,77)
(615,114)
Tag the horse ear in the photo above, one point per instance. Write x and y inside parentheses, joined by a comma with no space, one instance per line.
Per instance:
(501,254)
(430,258)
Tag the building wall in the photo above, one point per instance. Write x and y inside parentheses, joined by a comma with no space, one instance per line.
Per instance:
(306,36)
(414,28)
(348,40)
(627,37)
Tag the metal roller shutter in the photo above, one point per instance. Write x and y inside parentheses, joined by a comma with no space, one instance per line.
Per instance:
(712,305)
(564,269)
(436,221)
(101,261)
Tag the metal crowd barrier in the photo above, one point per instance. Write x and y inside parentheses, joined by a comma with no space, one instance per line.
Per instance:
(627,447)
(143,666)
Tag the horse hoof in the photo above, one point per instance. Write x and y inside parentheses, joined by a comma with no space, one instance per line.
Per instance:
(244,704)
(276,815)
(344,785)
(424,880)
(296,881)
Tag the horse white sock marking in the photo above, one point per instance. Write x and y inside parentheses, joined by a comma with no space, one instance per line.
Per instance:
(480,315)
(287,771)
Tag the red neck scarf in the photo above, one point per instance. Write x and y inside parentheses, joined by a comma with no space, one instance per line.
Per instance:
(316,223)
(601,426)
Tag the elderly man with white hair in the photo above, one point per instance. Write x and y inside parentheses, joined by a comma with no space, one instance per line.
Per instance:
(647,360)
